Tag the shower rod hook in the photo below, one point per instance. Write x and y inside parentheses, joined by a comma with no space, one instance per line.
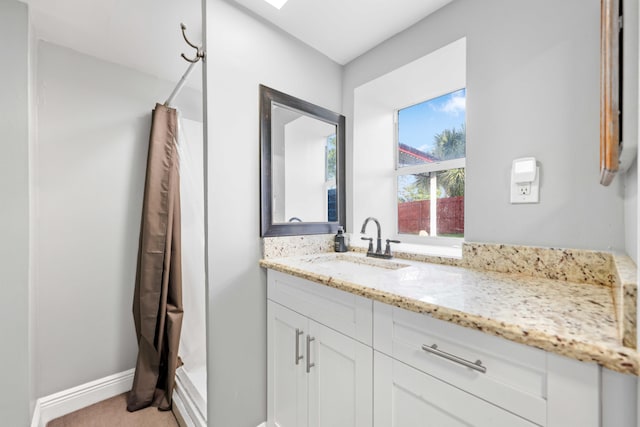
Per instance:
(200,54)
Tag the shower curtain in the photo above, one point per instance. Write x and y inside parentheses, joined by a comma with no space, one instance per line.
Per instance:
(157,302)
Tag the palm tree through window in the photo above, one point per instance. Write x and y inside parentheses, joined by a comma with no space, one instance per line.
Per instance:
(430,170)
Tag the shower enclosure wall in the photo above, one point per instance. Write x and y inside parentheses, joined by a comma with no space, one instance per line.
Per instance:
(191,377)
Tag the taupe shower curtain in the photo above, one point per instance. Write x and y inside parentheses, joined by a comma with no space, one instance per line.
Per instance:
(157,301)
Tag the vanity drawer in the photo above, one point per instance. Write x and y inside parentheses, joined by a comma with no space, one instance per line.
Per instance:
(344,312)
(515,376)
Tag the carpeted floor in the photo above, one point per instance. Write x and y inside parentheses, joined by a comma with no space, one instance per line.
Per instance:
(113,412)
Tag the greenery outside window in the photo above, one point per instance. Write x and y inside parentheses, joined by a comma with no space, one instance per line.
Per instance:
(430,168)
(330,178)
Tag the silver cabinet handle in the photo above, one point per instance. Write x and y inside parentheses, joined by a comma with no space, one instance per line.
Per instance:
(309,364)
(298,356)
(477,365)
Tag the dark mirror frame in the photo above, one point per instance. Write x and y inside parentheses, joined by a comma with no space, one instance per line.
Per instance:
(269,96)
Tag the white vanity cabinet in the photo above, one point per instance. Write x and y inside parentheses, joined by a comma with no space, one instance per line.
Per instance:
(336,359)
(407,397)
(422,378)
(319,373)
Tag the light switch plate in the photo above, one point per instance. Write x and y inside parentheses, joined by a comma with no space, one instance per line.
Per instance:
(534,193)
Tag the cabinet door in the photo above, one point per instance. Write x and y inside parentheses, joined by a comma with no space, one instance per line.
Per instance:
(406,397)
(286,379)
(340,380)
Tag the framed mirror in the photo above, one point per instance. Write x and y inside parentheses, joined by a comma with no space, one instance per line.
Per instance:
(302,166)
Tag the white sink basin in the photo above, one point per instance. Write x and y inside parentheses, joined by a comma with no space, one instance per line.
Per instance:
(354,262)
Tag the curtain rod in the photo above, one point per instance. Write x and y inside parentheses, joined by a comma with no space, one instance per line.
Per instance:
(200,54)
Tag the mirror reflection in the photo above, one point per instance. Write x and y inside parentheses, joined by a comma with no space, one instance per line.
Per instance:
(303,167)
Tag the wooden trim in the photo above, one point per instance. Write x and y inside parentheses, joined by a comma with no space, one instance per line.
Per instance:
(609,90)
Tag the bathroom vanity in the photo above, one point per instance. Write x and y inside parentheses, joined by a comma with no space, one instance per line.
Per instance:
(355,341)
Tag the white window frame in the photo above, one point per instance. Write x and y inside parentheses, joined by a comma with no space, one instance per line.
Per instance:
(422,169)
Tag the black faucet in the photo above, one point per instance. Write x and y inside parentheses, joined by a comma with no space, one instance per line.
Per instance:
(378,253)
(379,241)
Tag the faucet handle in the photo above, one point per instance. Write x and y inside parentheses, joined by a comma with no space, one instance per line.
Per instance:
(387,249)
(370,239)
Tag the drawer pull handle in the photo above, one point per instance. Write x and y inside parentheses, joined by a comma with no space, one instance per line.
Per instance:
(298,356)
(434,350)
(309,364)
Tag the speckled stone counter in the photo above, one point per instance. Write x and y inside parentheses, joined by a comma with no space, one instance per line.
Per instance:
(575,318)
(625,291)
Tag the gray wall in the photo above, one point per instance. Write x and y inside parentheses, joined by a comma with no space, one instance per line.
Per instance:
(14,213)
(631,211)
(93,129)
(33,101)
(532,90)
(242,52)
(630,124)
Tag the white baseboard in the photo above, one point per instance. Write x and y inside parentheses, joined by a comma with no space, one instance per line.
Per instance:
(264,424)
(188,407)
(58,404)
(181,412)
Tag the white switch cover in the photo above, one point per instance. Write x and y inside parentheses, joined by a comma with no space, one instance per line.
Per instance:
(528,192)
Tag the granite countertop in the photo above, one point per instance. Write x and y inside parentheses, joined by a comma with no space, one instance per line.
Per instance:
(577,320)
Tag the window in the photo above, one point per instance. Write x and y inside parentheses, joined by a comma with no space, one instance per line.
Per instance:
(330,178)
(430,168)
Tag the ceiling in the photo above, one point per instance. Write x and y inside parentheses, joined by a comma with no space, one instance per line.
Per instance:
(140,34)
(344,29)
(145,34)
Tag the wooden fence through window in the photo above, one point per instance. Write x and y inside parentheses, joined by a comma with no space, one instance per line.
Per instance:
(416,216)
